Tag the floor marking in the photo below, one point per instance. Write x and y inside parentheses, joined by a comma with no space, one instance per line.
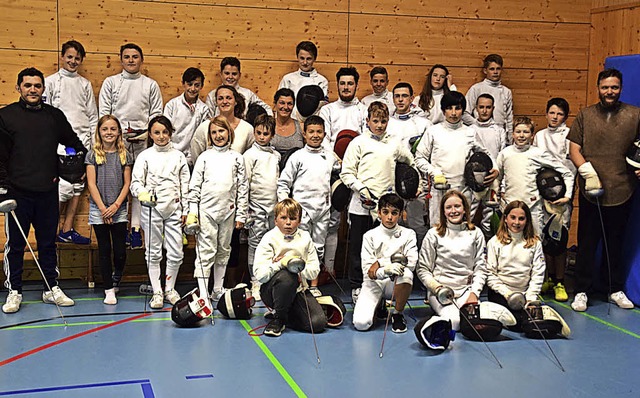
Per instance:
(195,377)
(274,361)
(602,321)
(69,338)
(143,383)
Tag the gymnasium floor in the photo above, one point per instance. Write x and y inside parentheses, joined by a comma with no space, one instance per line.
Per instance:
(121,351)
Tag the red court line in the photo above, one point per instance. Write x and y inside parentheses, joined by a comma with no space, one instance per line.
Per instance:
(69,338)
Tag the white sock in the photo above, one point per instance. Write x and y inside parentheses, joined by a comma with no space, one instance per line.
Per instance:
(218,276)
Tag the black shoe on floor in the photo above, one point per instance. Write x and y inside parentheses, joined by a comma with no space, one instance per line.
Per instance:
(398,324)
(276,327)
(381,310)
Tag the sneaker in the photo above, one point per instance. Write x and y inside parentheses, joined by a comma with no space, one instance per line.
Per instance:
(580,302)
(72,236)
(560,292)
(547,286)
(157,301)
(381,310)
(57,296)
(171,297)
(136,238)
(621,300)
(274,328)
(315,292)
(270,314)
(354,294)
(398,324)
(255,291)
(14,299)
(217,294)
(110,297)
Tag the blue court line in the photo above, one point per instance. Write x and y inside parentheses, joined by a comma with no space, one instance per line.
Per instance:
(195,377)
(146,388)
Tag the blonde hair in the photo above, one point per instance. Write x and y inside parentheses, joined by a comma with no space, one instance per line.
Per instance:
(220,121)
(528,233)
(98,147)
(441,227)
(290,207)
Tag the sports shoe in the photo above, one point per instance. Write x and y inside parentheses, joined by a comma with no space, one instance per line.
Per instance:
(57,296)
(621,300)
(398,324)
(270,314)
(157,301)
(560,292)
(255,291)
(580,302)
(315,292)
(72,236)
(110,297)
(14,299)
(135,238)
(354,294)
(547,286)
(274,328)
(381,310)
(171,296)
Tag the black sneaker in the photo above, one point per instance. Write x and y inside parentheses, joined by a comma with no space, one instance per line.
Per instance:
(276,327)
(398,324)
(381,310)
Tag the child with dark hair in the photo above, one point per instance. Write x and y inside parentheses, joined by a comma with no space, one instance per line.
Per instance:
(187,111)
(553,139)
(160,181)
(285,259)
(379,81)
(389,256)
(306,54)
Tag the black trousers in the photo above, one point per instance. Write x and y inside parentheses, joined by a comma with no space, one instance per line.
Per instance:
(111,239)
(590,235)
(39,209)
(290,306)
(358,226)
(520,315)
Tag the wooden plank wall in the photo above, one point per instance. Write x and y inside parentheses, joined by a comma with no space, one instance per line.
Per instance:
(544,42)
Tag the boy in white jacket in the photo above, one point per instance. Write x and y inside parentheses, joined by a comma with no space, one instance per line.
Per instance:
(261,163)
(160,180)
(285,259)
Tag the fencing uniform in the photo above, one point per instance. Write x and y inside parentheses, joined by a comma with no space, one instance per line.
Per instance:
(185,118)
(443,150)
(262,168)
(298,79)
(243,138)
(379,244)
(386,98)
(518,169)
(455,260)
(307,178)
(434,112)
(503,104)
(218,193)
(164,171)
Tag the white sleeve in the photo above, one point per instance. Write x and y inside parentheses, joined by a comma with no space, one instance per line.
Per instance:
(312,264)
(184,184)
(199,140)
(427,260)
(139,176)
(537,273)
(256,100)
(155,100)
(287,177)
(263,266)
(195,185)
(91,110)
(105,98)
(249,163)
(472,97)
(493,279)
(242,198)
(508,105)
(423,155)
(350,165)
(410,251)
(479,268)
(367,256)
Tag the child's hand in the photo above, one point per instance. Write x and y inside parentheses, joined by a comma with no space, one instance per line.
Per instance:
(239,225)
(183,220)
(473,299)
(449,80)
(493,174)
(111,210)
(561,201)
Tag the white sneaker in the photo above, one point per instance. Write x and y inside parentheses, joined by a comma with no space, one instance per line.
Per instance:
(57,296)
(255,291)
(110,297)
(354,294)
(621,300)
(14,299)
(580,302)
(315,292)
(172,296)
(157,301)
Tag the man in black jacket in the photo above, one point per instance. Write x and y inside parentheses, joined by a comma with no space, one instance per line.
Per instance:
(30,132)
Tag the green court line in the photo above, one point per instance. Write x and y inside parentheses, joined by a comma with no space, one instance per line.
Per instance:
(602,321)
(274,361)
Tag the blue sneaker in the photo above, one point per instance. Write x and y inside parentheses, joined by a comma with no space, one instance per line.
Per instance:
(136,238)
(72,236)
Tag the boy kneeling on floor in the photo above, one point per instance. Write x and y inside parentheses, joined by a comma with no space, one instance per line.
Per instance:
(285,259)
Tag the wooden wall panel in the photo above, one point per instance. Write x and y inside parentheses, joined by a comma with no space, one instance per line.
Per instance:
(29,24)
(466,42)
(13,61)
(201,31)
(319,5)
(535,10)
